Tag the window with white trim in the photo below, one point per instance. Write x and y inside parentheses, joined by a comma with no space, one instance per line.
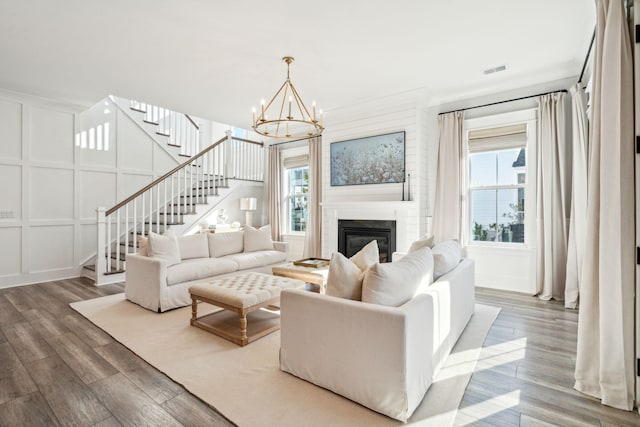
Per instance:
(296,191)
(497,184)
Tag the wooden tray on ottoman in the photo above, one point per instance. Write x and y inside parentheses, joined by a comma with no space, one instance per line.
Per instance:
(312,262)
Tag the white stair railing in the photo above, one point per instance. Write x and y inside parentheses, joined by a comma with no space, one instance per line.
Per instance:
(167,199)
(181,129)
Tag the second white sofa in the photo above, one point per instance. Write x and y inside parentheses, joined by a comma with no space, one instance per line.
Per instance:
(383,357)
(161,282)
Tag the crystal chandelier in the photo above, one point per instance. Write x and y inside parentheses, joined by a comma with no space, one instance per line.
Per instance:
(285,115)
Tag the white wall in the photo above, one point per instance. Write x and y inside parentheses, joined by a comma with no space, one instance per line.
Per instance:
(401,112)
(52,188)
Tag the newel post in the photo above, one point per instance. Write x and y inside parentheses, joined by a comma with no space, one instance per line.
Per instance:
(101,257)
(227,157)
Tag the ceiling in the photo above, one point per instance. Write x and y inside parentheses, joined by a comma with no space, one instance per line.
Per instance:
(217,59)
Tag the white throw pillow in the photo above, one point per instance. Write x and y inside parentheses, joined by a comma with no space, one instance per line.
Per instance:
(345,275)
(193,246)
(143,246)
(164,247)
(257,239)
(344,279)
(446,256)
(394,283)
(424,241)
(367,256)
(221,244)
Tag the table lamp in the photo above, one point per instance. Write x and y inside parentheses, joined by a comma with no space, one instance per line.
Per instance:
(248,204)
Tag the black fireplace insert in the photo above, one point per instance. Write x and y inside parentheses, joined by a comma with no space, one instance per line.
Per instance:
(354,234)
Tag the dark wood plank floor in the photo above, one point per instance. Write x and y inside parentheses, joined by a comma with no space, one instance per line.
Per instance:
(57,368)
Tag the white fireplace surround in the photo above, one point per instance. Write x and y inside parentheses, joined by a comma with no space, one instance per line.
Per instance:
(404,213)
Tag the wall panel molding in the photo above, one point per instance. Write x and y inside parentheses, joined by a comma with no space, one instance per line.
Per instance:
(52,196)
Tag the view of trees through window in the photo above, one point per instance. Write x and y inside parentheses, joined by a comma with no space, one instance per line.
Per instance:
(297,198)
(497,194)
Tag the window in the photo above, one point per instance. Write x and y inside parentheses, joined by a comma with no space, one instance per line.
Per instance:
(298,179)
(497,181)
(295,190)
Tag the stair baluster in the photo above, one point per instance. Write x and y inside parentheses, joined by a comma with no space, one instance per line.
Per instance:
(165,200)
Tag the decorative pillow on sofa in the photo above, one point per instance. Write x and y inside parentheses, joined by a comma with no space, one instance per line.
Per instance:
(221,244)
(446,256)
(257,239)
(193,246)
(345,275)
(164,246)
(394,283)
(424,241)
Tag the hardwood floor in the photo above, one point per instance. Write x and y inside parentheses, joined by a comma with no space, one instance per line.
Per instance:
(57,368)
(525,373)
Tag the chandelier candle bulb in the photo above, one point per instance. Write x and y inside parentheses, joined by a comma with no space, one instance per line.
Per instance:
(262,103)
(253,110)
(313,104)
(289,117)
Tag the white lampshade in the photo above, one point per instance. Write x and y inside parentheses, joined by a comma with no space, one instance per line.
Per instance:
(248,203)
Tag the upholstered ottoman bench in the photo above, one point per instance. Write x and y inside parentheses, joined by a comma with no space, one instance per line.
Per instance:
(242,294)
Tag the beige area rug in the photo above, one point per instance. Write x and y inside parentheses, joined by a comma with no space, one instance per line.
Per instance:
(246,384)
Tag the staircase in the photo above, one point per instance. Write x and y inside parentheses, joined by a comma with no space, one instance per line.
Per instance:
(180,198)
(181,129)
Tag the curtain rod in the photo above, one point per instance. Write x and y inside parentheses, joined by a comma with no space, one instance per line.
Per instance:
(294,140)
(502,102)
(586,58)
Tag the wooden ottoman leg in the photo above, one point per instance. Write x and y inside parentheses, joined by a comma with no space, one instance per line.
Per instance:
(243,328)
(194,309)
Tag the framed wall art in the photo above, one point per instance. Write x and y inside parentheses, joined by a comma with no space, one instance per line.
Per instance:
(371,160)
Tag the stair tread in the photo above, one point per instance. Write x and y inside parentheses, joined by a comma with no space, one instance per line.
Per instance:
(162,223)
(162,133)
(151,122)
(92,267)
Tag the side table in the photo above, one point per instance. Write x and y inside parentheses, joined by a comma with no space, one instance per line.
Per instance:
(315,276)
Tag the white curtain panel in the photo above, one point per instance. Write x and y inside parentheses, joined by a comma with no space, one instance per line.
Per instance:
(313,236)
(605,352)
(578,220)
(447,207)
(275,189)
(553,177)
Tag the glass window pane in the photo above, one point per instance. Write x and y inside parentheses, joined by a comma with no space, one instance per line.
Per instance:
(298,188)
(298,180)
(298,213)
(511,166)
(483,168)
(511,215)
(483,215)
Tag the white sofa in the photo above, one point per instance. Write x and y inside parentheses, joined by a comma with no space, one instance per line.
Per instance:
(382,357)
(160,284)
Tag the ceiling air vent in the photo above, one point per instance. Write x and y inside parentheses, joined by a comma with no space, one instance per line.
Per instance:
(495,69)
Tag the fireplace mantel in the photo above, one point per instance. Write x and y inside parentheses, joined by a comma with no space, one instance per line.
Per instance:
(405,213)
(396,204)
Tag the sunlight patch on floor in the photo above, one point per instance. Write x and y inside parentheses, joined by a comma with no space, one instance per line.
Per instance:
(492,406)
(502,354)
